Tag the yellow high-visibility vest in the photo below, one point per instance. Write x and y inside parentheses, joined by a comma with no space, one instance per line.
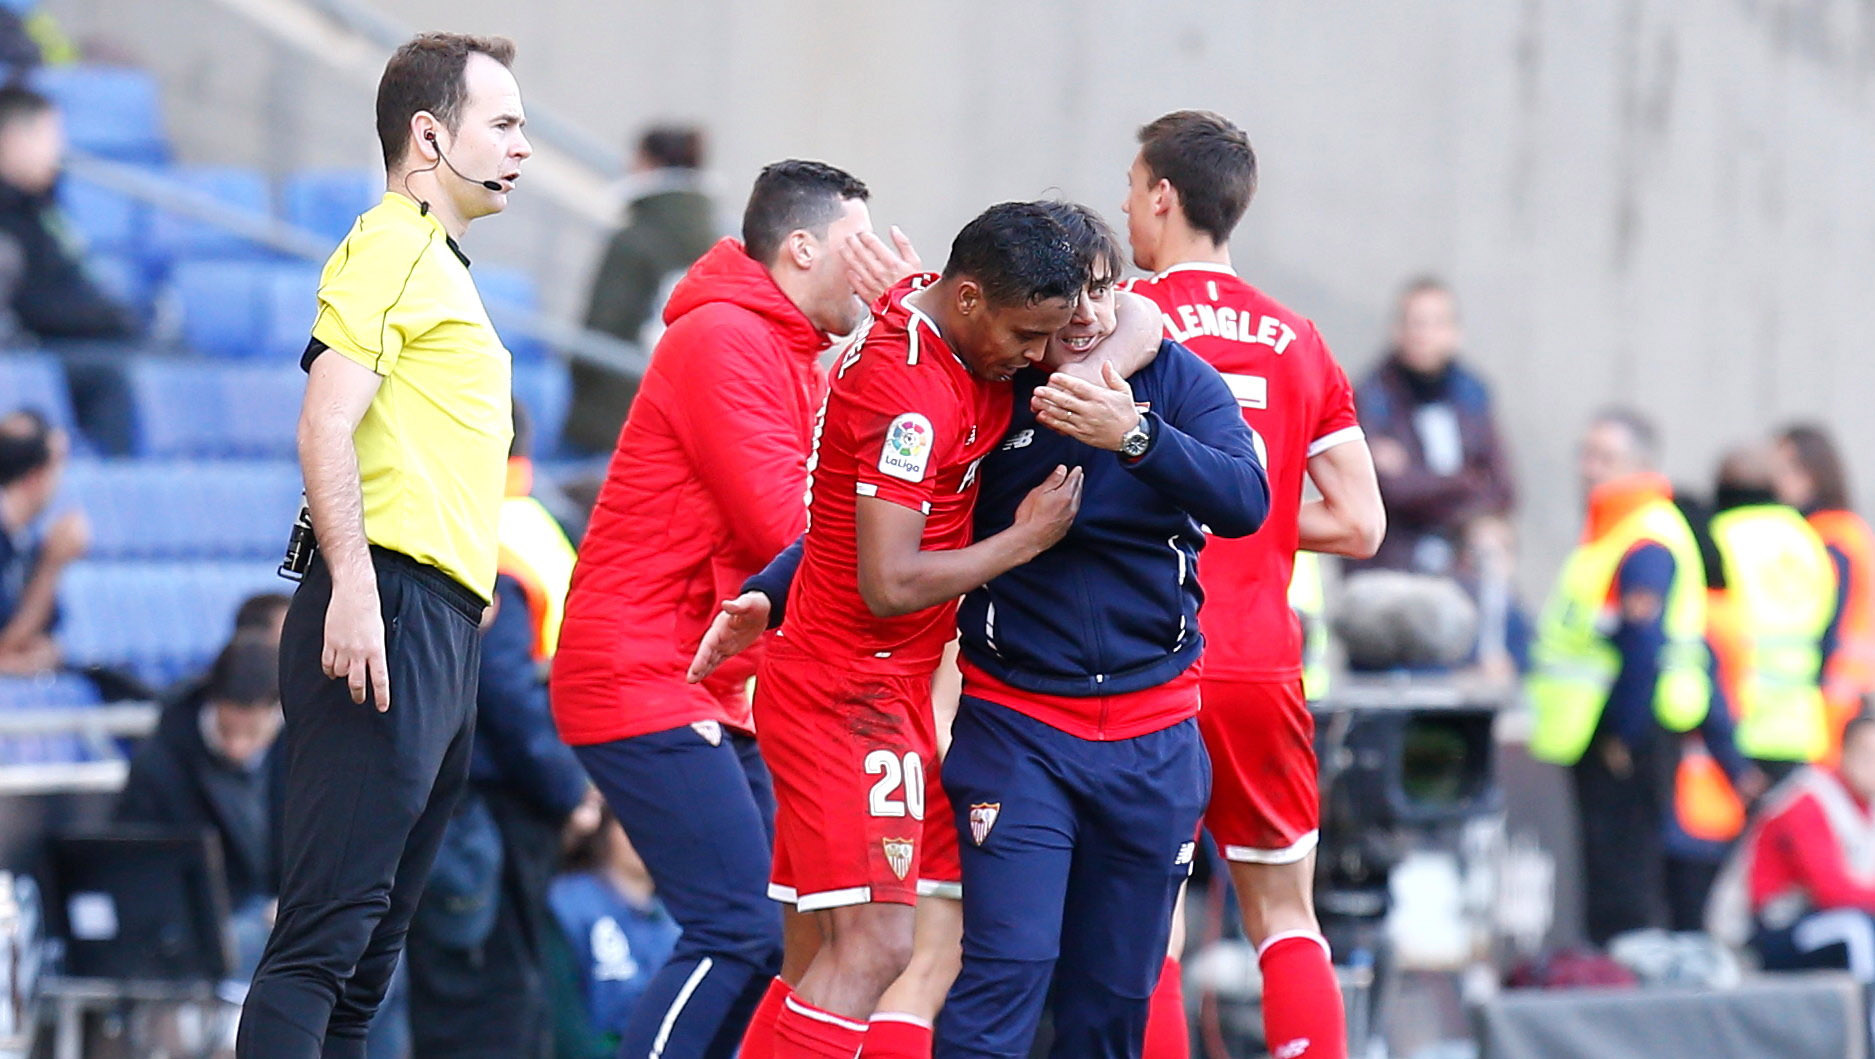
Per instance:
(536,553)
(1782,587)
(1309,600)
(1575,662)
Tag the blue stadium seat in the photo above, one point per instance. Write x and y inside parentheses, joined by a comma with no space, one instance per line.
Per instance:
(112,111)
(159,620)
(175,509)
(544,388)
(205,408)
(51,690)
(110,221)
(123,277)
(174,237)
(246,309)
(327,201)
(37,381)
(508,293)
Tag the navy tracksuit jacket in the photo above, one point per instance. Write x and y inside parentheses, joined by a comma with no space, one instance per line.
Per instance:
(1075,843)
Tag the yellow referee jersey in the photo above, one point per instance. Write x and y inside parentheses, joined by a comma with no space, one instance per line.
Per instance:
(396,297)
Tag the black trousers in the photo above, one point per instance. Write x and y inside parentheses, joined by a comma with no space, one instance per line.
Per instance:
(367,797)
(1620,814)
(490,1002)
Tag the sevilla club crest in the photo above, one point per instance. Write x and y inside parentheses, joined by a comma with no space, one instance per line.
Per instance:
(898,855)
(982,818)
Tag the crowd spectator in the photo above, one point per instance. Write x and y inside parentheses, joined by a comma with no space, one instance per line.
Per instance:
(1809,867)
(44,289)
(1619,657)
(1808,475)
(32,460)
(209,766)
(1429,423)
(1772,618)
(670,222)
(476,953)
(618,932)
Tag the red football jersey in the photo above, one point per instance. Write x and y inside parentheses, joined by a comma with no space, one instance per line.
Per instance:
(904,421)
(1299,403)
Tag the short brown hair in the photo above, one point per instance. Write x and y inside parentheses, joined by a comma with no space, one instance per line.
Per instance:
(426,74)
(1210,163)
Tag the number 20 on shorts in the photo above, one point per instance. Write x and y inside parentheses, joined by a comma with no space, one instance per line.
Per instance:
(900,789)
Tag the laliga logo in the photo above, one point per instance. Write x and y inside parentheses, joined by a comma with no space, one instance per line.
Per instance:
(897,855)
(908,436)
(982,818)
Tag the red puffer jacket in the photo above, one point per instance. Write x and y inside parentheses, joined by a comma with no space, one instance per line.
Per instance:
(705,487)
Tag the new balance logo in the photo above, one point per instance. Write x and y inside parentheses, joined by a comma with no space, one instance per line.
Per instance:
(1294,1049)
(1186,852)
(1021,439)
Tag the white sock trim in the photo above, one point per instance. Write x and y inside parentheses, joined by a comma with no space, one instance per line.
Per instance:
(901,1016)
(1287,934)
(802,1009)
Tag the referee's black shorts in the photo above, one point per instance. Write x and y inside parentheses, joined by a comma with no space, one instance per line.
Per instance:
(367,796)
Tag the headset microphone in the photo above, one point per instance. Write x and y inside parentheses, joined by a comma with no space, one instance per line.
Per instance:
(492,185)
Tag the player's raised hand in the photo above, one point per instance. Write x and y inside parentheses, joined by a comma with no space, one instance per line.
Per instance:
(1050,507)
(1098,414)
(873,267)
(735,629)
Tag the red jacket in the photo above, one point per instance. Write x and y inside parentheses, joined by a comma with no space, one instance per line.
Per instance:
(1812,848)
(706,486)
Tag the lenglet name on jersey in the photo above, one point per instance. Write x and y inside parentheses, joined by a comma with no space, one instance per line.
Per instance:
(1221,321)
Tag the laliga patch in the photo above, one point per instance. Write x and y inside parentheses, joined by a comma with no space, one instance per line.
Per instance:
(711,731)
(908,444)
(982,818)
(897,855)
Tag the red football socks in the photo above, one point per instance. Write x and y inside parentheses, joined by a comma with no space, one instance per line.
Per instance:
(1302,1014)
(758,1041)
(1167,1036)
(806,1032)
(896,1035)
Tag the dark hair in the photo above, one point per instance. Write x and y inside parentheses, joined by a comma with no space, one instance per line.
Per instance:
(17,101)
(1640,431)
(1817,455)
(25,445)
(427,74)
(792,195)
(1424,283)
(1092,239)
(255,614)
(247,673)
(1019,254)
(673,146)
(1208,161)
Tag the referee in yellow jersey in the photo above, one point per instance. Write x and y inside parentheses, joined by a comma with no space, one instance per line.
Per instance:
(403,440)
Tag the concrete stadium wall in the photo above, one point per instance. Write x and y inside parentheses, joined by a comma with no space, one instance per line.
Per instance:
(1663,204)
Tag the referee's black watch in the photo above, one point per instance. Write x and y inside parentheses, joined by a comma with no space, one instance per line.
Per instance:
(1135,442)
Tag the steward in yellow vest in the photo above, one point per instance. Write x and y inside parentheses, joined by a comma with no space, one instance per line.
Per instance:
(1578,656)
(537,555)
(1308,597)
(1779,600)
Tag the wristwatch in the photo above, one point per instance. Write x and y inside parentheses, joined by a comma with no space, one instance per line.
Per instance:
(1135,442)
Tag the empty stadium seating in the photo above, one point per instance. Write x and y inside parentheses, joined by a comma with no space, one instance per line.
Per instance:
(158,619)
(204,408)
(259,310)
(327,201)
(180,509)
(113,111)
(36,381)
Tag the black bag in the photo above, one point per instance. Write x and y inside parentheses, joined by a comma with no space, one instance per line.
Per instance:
(458,906)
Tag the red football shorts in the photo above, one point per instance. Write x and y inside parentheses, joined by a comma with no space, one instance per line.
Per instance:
(942,872)
(848,751)
(1264,805)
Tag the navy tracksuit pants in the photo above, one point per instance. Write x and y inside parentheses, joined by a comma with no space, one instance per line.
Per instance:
(702,817)
(1073,854)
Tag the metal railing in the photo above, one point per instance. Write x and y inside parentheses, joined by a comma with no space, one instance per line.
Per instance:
(97,725)
(158,189)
